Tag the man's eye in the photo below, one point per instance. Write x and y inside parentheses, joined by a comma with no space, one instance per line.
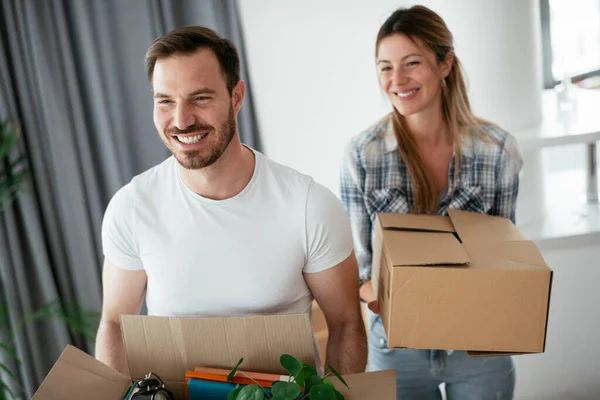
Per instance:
(386,69)
(164,101)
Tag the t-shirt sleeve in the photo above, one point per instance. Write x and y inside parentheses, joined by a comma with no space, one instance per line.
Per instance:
(328,234)
(118,230)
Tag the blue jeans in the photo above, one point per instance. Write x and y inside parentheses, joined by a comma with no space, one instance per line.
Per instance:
(420,372)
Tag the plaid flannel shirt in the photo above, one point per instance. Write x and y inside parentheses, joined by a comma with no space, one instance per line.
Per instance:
(375,179)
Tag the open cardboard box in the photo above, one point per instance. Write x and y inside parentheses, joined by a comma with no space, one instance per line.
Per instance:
(463,282)
(170,346)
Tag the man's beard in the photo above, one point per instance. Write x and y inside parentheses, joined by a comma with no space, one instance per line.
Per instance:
(195,159)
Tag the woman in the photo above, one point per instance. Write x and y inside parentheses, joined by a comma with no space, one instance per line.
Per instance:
(429,155)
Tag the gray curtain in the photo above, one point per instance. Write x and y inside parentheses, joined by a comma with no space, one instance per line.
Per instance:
(72,73)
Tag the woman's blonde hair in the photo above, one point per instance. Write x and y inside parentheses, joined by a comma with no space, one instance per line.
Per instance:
(422,23)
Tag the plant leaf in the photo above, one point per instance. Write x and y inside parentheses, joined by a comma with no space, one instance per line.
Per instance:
(5,389)
(290,363)
(234,370)
(233,394)
(338,395)
(328,382)
(313,380)
(8,372)
(250,392)
(286,389)
(337,375)
(9,350)
(322,392)
(306,371)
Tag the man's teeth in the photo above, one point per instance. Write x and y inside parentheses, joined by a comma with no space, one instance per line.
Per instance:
(191,139)
(406,94)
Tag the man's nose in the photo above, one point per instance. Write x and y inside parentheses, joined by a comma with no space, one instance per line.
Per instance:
(184,117)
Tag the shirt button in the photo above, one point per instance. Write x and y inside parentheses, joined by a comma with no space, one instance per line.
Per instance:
(382,342)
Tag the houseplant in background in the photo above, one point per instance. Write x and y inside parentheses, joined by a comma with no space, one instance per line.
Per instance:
(304,383)
(13,172)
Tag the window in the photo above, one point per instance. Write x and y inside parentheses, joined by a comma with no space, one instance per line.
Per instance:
(571,36)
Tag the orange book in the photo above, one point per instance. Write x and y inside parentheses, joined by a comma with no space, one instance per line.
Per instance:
(255,375)
(242,380)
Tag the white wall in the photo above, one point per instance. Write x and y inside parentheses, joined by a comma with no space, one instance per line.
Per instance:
(570,367)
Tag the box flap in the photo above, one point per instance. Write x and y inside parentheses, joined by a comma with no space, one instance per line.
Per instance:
(510,255)
(77,375)
(169,346)
(380,385)
(414,222)
(410,248)
(478,227)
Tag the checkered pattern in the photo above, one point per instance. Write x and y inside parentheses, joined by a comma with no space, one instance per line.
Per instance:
(374,179)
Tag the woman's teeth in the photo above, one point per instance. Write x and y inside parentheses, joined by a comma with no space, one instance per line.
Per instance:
(406,94)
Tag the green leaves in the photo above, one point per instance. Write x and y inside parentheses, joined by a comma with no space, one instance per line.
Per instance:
(322,392)
(306,385)
(75,318)
(233,394)
(292,365)
(250,392)
(286,389)
(337,375)
(306,371)
(234,370)
(12,172)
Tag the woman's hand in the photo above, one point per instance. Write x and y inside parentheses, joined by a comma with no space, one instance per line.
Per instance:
(374,306)
(366,293)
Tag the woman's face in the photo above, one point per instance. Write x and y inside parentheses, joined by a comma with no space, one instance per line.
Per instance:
(410,74)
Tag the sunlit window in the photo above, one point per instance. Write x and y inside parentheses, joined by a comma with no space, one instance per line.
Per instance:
(575,36)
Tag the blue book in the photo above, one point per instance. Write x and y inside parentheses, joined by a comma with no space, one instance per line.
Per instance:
(200,389)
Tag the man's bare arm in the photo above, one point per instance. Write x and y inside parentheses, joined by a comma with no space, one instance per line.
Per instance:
(123,293)
(336,292)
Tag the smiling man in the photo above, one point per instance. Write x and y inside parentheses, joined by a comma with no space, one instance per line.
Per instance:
(219,229)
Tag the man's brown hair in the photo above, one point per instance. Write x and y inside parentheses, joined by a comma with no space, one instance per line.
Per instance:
(189,39)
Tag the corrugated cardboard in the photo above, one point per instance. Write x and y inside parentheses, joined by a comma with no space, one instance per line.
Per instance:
(169,347)
(463,282)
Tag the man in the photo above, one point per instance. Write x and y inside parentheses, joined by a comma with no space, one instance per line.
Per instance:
(219,229)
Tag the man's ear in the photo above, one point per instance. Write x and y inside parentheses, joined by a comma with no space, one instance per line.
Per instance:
(446,64)
(237,95)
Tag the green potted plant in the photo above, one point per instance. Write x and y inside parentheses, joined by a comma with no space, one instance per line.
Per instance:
(304,383)
(12,175)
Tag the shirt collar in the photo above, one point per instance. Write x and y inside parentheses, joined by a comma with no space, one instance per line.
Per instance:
(391,144)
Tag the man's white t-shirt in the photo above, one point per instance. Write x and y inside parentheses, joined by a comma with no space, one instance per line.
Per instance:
(245,255)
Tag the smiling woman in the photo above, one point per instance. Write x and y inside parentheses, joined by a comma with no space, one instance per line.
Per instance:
(429,155)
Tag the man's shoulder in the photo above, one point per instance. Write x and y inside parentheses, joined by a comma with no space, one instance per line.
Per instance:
(156,175)
(145,183)
(284,174)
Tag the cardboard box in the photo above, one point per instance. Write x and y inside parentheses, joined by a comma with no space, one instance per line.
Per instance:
(463,282)
(171,346)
